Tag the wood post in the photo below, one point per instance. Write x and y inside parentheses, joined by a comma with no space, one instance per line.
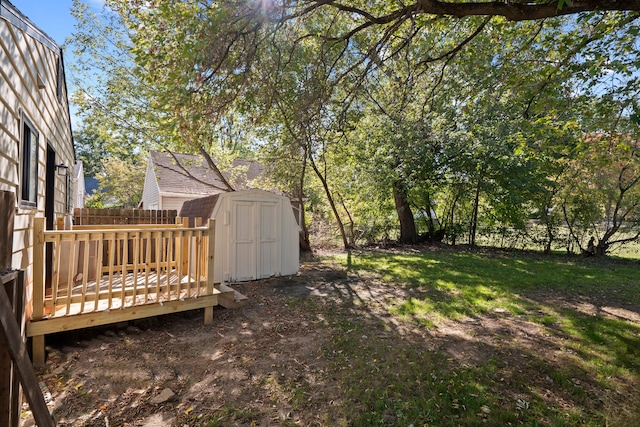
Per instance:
(211,234)
(16,348)
(10,395)
(185,249)
(38,288)
(199,252)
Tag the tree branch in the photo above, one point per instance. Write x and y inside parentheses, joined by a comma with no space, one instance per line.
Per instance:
(511,10)
(215,169)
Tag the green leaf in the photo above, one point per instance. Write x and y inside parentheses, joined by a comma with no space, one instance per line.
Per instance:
(561,3)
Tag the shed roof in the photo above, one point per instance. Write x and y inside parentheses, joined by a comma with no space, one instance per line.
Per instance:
(194,176)
(199,208)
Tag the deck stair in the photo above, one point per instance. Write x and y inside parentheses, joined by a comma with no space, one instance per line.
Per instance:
(229,297)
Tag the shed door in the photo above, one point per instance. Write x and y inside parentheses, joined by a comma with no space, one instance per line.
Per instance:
(255,240)
(244,241)
(268,245)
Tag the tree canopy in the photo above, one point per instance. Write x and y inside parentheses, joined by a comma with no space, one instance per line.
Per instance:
(430,120)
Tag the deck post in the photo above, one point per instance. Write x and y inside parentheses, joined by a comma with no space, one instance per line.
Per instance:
(211,233)
(184,268)
(37,342)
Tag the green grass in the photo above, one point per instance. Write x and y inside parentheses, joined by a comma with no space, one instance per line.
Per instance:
(394,377)
(628,251)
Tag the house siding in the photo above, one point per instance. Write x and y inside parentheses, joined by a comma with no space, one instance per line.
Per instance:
(27,56)
(151,192)
(78,188)
(175,203)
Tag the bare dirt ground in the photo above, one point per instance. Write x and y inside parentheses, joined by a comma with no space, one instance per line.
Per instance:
(259,365)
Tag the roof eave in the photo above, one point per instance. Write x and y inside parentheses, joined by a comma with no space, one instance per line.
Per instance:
(12,14)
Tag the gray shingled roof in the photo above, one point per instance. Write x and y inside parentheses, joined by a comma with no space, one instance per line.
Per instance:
(199,208)
(172,178)
(91,185)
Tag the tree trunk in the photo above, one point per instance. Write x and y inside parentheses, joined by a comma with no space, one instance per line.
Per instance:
(547,246)
(352,231)
(474,217)
(408,232)
(332,203)
(305,243)
(550,231)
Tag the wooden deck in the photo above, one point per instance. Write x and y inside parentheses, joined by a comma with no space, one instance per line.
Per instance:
(112,295)
(96,275)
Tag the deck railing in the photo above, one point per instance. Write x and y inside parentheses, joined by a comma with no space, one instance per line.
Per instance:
(96,269)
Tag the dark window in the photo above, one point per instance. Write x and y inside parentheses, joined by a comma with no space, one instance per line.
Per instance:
(60,80)
(29,184)
(68,191)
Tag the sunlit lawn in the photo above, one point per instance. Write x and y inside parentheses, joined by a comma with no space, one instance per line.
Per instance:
(581,370)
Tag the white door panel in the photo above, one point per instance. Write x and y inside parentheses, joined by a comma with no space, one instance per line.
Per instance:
(268,240)
(243,241)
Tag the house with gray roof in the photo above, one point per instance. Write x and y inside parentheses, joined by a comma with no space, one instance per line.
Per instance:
(174,178)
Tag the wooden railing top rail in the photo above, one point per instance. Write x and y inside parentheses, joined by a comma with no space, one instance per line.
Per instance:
(120,233)
(127,227)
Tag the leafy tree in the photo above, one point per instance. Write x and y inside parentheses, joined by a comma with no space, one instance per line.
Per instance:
(111,94)
(90,148)
(119,99)
(422,107)
(604,197)
(120,185)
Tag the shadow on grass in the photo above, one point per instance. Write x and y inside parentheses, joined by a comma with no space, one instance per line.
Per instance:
(470,339)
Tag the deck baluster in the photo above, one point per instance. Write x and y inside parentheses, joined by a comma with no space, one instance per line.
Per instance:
(157,269)
(99,264)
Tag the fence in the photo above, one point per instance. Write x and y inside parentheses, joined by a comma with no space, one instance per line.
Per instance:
(89,216)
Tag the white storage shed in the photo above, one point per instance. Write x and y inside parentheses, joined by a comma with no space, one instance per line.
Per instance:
(256,234)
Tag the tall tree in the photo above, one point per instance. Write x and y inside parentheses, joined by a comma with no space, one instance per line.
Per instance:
(426,105)
(119,99)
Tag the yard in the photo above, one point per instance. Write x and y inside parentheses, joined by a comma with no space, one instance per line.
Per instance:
(427,336)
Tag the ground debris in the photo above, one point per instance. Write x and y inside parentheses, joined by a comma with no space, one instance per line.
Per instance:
(166,395)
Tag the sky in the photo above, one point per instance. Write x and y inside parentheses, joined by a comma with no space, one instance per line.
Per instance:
(51,16)
(54,18)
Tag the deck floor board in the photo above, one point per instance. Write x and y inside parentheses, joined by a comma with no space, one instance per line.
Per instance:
(139,289)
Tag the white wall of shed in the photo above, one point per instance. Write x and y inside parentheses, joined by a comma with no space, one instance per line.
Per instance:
(287,258)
